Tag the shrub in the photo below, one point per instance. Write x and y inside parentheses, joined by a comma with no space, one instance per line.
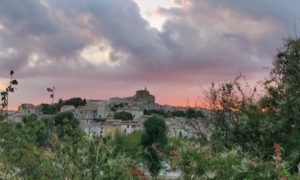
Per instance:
(123,116)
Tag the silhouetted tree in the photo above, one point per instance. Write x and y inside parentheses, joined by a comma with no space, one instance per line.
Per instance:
(10,89)
(76,101)
(52,93)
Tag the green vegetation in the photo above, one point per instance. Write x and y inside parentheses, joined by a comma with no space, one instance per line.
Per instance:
(154,141)
(123,116)
(178,113)
(156,111)
(115,107)
(55,107)
(192,113)
(56,148)
(50,108)
(128,144)
(76,101)
(189,113)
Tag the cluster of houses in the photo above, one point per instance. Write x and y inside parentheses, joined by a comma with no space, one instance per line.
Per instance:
(97,116)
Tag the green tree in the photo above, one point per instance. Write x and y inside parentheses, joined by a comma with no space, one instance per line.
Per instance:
(230,106)
(192,113)
(66,124)
(50,108)
(154,141)
(178,113)
(123,116)
(255,126)
(76,101)
(282,101)
(156,111)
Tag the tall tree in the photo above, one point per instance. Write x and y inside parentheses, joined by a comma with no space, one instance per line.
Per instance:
(282,102)
(154,141)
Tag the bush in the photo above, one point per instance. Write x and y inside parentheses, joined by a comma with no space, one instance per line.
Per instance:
(156,111)
(123,116)
(178,113)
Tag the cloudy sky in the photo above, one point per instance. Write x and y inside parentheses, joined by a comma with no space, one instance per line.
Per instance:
(98,49)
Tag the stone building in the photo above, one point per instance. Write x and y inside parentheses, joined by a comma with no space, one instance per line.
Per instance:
(87,112)
(136,112)
(144,96)
(130,127)
(27,109)
(66,108)
(103,111)
(140,97)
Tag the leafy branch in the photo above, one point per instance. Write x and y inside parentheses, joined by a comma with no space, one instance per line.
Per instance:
(52,92)
(9,89)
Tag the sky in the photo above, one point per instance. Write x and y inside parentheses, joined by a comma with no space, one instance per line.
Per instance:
(97,49)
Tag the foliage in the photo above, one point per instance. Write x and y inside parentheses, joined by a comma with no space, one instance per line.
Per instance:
(33,150)
(123,116)
(198,162)
(255,126)
(178,113)
(51,91)
(55,107)
(128,144)
(282,101)
(9,89)
(76,101)
(156,111)
(66,124)
(192,113)
(154,141)
(50,108)
(115,107)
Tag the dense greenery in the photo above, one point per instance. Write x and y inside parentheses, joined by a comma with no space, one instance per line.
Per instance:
(123,116)
(76,101)
(56,148)
(178,113)
(34,149)
(55,107)
(50,108)
(156,111)
(154,141)
(189,113)
(256,126)
(192,113)
(115,107)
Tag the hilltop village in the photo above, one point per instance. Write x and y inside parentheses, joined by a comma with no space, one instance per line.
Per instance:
(104,117)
